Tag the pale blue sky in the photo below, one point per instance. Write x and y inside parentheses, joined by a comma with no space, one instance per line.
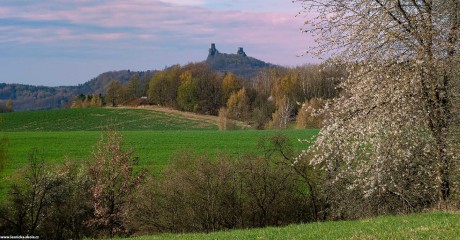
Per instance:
(68,42)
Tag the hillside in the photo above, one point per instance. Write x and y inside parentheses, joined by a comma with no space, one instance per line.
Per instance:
(100,83)
(239,63)
(155,133)
(97,119)
(28,97)
(417,226)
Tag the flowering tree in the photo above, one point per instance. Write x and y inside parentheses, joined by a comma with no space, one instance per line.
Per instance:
(388,134)
(114,181)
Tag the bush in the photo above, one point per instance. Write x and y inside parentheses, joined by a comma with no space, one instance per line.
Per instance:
(196,193)
(50,202)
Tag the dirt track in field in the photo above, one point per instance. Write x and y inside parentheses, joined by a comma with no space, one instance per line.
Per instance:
(188,115)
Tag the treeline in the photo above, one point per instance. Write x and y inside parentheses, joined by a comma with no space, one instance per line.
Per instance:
(116,92)
(27,97)
(86,101)
(270,100)
(99,84)
(110,195)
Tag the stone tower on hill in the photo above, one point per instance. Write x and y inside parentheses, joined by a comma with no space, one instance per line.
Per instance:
(213,51)
(241,52)
(238,63)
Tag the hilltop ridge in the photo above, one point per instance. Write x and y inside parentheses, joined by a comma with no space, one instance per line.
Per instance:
(240,63)
(27,97)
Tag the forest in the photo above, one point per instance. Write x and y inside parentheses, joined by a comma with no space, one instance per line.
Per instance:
(271,100)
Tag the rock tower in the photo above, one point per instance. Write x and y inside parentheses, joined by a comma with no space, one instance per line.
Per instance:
(241,52)
(213,51)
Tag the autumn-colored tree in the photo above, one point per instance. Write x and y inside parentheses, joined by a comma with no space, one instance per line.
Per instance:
(164,86)
(86,102)
(287,86)
(200,89)
(9,106)
(230,84)
(114,93)
(286,95)
(187,94)
(114,181)
(96,101)
(238,105)
(308,116)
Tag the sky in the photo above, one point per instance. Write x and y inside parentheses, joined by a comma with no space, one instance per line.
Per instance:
(68,42)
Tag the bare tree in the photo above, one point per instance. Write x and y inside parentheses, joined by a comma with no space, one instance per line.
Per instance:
(281,116)
(401,55)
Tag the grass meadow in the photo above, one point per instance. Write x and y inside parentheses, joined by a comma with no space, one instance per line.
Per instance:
(96,119)
(154,148)
(154,136)
(435,225)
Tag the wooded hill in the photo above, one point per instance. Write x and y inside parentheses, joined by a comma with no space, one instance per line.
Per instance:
(240,64)
(28,97)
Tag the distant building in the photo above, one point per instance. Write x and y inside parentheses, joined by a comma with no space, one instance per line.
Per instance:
(241,52)
(238,63)
(213,51)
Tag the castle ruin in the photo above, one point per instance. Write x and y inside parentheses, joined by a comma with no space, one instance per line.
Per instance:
(241,52)
(213,51)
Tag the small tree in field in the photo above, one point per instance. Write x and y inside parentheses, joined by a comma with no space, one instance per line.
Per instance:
(114,181)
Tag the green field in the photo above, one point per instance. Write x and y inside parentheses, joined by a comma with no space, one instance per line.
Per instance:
(96,119)
(418,226)
(154,148)
(154,136)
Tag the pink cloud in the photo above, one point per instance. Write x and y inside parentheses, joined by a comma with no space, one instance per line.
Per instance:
(160,21)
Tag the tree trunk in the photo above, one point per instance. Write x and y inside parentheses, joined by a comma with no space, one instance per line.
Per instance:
(437,106)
